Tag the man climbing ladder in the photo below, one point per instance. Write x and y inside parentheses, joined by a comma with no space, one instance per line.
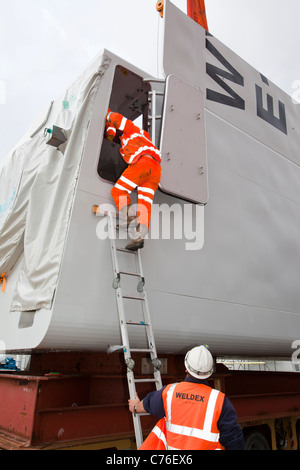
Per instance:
(143,173)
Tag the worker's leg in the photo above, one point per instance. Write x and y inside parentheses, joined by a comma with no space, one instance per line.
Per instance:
(144,175)
(150,174)
(121,195)
(146,191)
(145,201)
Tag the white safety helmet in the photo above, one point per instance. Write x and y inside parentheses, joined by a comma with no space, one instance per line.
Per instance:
(199,362)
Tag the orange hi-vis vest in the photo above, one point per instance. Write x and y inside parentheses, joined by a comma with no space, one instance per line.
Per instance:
(135,141)
(192,413)
(157,439)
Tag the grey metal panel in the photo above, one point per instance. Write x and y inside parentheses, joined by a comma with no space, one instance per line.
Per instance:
(184,43)
(234,90)
(183,144)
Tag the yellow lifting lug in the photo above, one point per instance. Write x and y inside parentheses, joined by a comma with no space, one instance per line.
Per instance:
(160,8)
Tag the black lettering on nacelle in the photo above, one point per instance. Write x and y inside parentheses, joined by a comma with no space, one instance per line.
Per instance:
(217,74)
(268,114)
(233,99)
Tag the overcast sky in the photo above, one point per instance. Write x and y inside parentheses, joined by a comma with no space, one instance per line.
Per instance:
(44,46)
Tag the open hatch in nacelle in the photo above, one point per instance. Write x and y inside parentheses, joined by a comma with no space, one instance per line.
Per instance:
(172,111)
(129,97)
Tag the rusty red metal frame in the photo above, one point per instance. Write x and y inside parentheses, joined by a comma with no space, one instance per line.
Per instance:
(88,401)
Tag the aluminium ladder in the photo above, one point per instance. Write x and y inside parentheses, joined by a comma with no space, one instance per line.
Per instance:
(124,323)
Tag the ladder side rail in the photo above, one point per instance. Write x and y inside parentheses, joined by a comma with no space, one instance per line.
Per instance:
(119,294)
(151,343)
(123,328)
(112,239)
(146,323)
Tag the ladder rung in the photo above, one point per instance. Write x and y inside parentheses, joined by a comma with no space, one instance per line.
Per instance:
(142,350)
(145,380)
(128,273)
(138,323)
(126,251)
(132,297)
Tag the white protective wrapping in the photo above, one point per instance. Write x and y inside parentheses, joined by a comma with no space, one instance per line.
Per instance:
(37,187)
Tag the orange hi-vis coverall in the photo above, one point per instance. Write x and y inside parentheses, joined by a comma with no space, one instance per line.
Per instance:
(144,170)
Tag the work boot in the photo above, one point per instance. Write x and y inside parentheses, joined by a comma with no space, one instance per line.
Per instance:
(138,242)
(129,215)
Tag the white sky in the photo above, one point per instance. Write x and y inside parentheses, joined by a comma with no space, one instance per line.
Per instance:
(45,45)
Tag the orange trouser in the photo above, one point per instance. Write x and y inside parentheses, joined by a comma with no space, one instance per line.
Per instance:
(144,175)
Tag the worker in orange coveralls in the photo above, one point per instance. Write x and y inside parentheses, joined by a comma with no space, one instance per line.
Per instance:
(143,173)
(192,415)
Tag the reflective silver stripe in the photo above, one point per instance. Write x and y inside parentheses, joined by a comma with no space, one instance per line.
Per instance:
(147,199)
(210,410)
(127,181)
(146,190)
(169,401)
(108,116)
(158,432)
(143,149)
(193,432)
(123,124)
(118,186)
(134,136)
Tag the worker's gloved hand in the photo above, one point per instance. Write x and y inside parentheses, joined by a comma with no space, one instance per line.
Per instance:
(110,132)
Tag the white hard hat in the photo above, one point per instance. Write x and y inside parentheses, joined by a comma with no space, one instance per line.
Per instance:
(199,362)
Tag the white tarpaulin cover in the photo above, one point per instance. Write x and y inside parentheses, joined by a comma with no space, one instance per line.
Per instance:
(37,187)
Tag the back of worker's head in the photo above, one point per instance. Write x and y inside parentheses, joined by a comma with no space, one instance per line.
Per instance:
(199,362)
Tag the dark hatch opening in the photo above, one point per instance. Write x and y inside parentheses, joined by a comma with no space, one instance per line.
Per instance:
(129,97)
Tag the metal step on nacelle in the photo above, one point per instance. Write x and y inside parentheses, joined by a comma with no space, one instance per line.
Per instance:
(156,99)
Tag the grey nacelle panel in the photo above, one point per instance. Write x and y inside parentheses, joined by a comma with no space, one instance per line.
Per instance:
(183,143)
